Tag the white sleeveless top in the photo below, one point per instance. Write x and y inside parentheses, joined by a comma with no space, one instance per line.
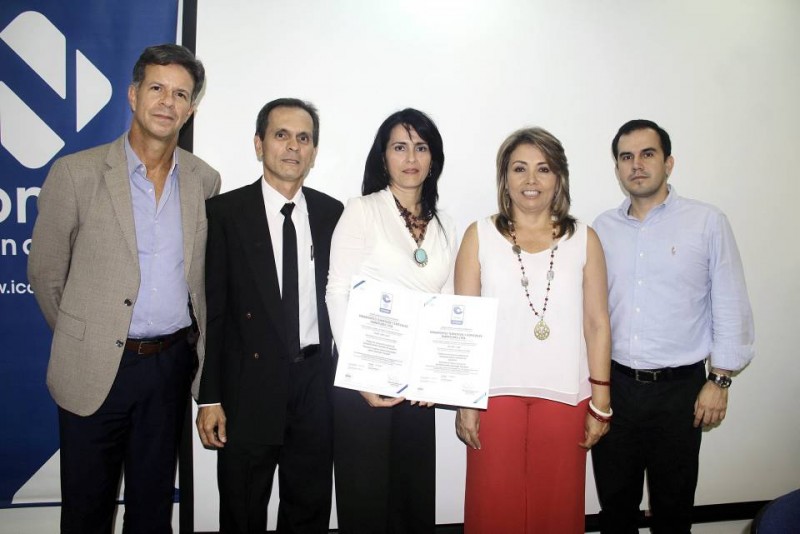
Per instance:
(556,368)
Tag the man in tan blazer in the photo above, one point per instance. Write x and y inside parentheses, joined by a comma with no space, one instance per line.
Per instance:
(117,267)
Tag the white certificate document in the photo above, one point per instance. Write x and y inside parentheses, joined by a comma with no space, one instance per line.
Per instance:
(421,346)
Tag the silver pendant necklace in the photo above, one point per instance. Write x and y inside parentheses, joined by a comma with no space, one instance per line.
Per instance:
(541,330)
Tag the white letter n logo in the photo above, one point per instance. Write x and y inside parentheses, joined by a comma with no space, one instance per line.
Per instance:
(42,47)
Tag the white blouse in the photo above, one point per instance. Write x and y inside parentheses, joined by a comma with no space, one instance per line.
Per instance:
(556,368)
(372,241)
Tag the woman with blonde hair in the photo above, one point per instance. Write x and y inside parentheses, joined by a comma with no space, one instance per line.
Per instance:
(549,395)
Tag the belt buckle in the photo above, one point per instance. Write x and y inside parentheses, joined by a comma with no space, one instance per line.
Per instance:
(653,373)
(143,344)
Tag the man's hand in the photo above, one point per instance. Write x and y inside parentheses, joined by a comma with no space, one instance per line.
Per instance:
(377,401)
(211,426)
(710,406)
(468,424)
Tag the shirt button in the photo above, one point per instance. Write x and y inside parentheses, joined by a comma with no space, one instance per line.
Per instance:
(128,302)
(256,356)
(638,310)
(248,315)
(641,254)
(120,343)
(635,337)
(639,282)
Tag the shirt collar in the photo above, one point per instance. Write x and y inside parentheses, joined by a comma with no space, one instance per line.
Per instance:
(135,165)
(274,201)
(624,209)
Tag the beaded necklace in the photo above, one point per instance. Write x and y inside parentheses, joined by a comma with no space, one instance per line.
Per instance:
(415,223)
(540,330)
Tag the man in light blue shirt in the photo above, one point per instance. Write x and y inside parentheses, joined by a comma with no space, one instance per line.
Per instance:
(117,265)
(677,300)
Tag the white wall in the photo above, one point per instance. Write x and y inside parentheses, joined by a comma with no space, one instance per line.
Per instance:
(720,75)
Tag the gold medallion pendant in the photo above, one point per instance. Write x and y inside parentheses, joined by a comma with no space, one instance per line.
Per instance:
(541,330)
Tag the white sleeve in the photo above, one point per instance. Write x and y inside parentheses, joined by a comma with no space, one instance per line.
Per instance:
(452,244)
(348,250)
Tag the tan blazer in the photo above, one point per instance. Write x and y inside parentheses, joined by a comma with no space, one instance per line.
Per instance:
(84,265)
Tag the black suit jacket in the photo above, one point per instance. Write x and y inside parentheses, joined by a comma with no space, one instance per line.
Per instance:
(247,360)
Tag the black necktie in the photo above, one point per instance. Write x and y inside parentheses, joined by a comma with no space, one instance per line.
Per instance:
(290,296)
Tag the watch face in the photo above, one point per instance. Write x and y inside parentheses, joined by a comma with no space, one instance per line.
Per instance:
(720,380)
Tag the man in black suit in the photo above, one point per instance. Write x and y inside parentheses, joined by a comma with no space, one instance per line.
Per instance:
(265,385)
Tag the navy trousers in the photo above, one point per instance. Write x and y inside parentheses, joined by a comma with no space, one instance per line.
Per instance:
(136,428)
(652,431)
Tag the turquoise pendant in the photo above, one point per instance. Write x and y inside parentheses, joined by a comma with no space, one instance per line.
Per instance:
(421,257)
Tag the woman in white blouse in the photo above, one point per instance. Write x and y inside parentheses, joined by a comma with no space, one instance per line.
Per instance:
(526,457)
(384,448)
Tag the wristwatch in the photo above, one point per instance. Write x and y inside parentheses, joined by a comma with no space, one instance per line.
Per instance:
(722,381)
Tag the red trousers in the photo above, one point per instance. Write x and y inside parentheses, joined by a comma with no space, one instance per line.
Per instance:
(529,475)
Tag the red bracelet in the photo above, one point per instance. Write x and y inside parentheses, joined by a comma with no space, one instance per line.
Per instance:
(597,414)
(599,382)
(599,418)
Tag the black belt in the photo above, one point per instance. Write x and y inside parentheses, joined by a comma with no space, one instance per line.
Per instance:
(309,351)
(150,346)
(658,375)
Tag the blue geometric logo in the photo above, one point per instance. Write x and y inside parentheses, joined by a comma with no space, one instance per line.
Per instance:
(46,56)
(64,69)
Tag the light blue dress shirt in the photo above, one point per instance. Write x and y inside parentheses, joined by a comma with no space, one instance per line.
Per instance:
(162,305)
(677,292)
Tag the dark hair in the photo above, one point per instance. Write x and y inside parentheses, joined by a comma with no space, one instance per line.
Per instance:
(376,177)
(553,152)
(642,124)
(171,54)
(262,121)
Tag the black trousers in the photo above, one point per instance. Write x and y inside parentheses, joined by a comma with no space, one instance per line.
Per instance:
(651,431)
(138,427)
(385,466)
(245,470)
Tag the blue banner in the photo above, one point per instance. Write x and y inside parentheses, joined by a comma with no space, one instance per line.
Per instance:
(64,72)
